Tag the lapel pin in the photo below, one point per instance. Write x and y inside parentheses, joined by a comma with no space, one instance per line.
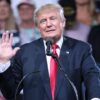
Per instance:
(67,52)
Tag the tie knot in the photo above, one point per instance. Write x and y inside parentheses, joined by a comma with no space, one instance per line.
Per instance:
(54,46)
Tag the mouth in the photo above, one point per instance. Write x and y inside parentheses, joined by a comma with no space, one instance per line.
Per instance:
(52,30)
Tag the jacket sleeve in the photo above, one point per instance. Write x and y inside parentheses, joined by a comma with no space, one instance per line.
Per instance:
(11,77)
(91,75)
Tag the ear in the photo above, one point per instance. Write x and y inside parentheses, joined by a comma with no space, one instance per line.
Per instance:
(64,23)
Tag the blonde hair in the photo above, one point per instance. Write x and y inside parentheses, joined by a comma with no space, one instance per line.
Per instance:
(56,7)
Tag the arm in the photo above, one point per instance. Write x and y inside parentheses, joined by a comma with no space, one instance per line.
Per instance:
(91,75)
(7,79)
(11,77)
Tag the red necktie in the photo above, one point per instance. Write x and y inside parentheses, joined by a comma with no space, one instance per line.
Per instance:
(53,71)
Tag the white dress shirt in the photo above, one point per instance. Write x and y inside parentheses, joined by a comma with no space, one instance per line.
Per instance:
(4,67)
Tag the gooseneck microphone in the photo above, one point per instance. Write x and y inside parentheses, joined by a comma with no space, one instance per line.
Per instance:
(50,53)
(23,78)
(49,42)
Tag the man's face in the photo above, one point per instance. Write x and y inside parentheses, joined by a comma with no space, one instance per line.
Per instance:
(50,24)
(26,12)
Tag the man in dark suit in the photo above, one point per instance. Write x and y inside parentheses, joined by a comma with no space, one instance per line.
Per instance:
(75,58)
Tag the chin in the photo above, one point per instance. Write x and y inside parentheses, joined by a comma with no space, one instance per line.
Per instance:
(55,38)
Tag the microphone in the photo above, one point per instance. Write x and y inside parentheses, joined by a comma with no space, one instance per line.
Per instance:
(49,42)
(23,78)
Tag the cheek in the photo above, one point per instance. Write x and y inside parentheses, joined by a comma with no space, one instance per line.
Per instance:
(29,12)
(41,27)
(61,26)
(7,13)
(20,13)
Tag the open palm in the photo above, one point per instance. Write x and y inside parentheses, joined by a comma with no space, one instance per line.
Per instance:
(6,50)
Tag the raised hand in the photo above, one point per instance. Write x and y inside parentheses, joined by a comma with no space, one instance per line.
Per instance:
(6,50)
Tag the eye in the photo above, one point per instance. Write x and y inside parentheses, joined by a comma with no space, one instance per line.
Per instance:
(53,18)
(42,21)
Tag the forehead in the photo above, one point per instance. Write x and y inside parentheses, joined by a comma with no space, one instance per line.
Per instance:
(25,6)
(3,2)
(48,12)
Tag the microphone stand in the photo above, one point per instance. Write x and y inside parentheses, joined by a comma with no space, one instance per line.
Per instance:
(64,73)
(24,77)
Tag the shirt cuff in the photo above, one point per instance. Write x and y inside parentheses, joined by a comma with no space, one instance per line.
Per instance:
(95,99)
(4,67)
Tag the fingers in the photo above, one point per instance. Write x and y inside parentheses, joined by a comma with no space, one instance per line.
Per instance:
(11,39)
(15,50)
(3,37)
(6,38)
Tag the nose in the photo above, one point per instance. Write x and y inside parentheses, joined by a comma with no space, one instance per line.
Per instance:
(49,23)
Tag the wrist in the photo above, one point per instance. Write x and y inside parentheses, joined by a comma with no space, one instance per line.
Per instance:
(4,61)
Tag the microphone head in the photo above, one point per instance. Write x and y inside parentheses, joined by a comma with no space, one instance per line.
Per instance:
(49,41)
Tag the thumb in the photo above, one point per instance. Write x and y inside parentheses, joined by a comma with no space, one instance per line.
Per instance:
(15,50)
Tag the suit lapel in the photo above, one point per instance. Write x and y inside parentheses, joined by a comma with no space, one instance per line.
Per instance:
(42,63)
(64,60)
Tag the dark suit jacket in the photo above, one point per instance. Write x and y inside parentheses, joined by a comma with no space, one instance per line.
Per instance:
(94,40)
(78,64)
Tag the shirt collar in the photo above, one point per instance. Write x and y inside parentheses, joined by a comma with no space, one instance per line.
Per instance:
(59,42)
